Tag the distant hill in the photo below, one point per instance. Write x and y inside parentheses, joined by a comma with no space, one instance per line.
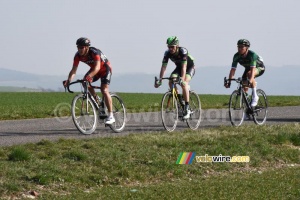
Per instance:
(207,80)
(18,89)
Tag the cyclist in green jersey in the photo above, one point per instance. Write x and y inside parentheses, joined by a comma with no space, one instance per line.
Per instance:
(254,67)
(185,69)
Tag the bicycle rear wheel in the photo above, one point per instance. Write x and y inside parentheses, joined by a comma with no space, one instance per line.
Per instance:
(169,112)
(195,105)
(84,114)
(236,108)
(261,110)
(119,113)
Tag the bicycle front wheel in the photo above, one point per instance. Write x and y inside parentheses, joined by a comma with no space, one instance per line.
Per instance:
(195,105)
(119,113)
(261,110)
(84,114)
(236,108)
(169,112)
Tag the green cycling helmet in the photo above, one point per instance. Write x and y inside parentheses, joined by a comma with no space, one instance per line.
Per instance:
(173,41)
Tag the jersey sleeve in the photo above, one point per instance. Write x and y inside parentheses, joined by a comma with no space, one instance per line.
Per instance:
(235,61)
(95,55)
(76,60)
(165,59)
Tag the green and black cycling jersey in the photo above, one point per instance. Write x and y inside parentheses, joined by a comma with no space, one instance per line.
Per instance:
(251,59)
(179,58)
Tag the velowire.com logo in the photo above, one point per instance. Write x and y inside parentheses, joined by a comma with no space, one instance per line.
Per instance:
(188,157)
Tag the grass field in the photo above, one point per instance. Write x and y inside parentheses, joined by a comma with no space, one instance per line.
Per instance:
(24,105)
(143,166)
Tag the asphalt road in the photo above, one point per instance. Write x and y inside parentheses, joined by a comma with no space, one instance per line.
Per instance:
(14,132)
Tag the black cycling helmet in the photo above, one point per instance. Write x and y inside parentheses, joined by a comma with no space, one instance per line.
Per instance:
(244,42)
(83,42)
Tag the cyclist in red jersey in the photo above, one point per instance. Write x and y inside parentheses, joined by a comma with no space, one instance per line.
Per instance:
(100,68)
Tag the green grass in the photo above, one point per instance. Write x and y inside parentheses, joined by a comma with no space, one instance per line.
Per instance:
(25,105)
(143,166)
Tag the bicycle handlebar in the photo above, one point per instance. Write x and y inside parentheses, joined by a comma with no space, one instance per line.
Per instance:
(238,80)
(79,81)
(68,86)
(174,79)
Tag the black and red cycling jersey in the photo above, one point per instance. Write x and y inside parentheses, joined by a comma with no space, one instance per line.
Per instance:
(92,56)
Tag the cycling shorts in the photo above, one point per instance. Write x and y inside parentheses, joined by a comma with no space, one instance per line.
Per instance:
(190,72)
(259,72)
(104,74)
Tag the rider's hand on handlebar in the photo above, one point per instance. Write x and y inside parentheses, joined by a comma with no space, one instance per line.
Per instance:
(65,83)
(157,83)
(88,78)
(181,81)
(227,84)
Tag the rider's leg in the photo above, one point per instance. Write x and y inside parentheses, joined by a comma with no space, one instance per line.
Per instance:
(108,102)
(253,86)
(91,90)
(186,91)
(107,97)
(186,88)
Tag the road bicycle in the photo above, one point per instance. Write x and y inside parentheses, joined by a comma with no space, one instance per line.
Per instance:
(85,109)
(240,104)
(172,107)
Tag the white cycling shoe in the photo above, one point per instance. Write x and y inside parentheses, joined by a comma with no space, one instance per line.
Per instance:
(110,120)
(187,114)
(254,101)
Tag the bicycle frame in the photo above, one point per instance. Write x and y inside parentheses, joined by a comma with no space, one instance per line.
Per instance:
(241,90)
(174,82)
(86,92)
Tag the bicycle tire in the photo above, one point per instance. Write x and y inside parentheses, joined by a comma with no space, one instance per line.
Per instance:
(119,112)
(84,114)
(236,108)
(260,111)
(169,112)
(195,106)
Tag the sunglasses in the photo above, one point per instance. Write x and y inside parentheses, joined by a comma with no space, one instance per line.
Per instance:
(171,47)
(241,46)
(80,47)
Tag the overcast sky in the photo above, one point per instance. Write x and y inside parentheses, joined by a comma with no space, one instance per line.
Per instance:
(39,36)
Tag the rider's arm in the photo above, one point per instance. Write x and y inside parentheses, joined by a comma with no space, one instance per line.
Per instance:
(231,73)
(162,71)
(164,65)
(94,68)
(233,65)
(72,73)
